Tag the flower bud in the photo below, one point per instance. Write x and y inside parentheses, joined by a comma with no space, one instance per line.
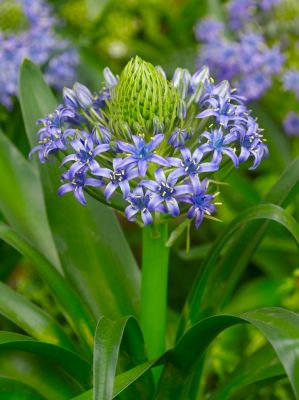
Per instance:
(110,79)
(222,89)
(161,70)
(181,80)
(83,95)
(142,94)
(198,81)
(69,98)
(101,134)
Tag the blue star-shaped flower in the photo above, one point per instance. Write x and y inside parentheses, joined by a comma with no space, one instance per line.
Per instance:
(85,154)
(141,202)
(141,153)
(200,201)
(165,190)
(77,182)
(190,164)
(217,143)
(118,177)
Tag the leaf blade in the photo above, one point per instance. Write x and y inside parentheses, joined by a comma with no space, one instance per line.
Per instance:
(31,319)
(21,201)
(177,377)
(108,338)
(214,275)
(85,237)
(76,366)
(13,390)
(68,299)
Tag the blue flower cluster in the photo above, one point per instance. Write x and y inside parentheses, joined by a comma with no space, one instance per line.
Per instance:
(242,11)
(160,167)
(247,60)
(239,51)
(37,41)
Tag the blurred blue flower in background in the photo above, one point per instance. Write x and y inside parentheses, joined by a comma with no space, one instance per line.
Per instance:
(35,39)
(291,81)
(208,29)
(254,49)
(239,12)
(246,59)
(268,4)
(291,123)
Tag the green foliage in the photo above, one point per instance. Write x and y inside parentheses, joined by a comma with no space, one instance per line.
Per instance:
(84,259)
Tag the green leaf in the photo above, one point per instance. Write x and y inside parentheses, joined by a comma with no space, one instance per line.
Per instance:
(108,337)
(93,251)
(71,304)
(214,276)
(258,367)
(13,390)
(200,303)
(50,381)
(260,292)
(281,329)
(254,388)
(32,319)
(279,326)
(124,380)
(21,200)
(76,366)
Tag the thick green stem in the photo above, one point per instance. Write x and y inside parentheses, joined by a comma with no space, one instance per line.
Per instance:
(154,287)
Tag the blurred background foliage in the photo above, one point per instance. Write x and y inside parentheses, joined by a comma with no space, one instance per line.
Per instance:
(110,32)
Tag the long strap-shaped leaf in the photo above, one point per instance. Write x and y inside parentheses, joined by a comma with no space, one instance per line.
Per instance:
(108,338)
(21,200)
(201,303)
(76,366)
(258,367)
(72,306)
(45,377)
(236,256)
(93,251)
(31,319)
(10,389)
(279,326)
(122,381)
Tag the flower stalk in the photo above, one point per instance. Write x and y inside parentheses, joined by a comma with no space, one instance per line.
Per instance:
(155,257)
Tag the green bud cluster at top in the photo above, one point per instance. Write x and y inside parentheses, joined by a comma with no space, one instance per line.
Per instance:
(142,96)
(12,17)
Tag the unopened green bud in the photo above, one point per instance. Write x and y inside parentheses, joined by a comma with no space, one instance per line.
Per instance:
(142,96)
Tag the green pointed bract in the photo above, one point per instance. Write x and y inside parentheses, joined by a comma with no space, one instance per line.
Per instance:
(142,99)
(12,18)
